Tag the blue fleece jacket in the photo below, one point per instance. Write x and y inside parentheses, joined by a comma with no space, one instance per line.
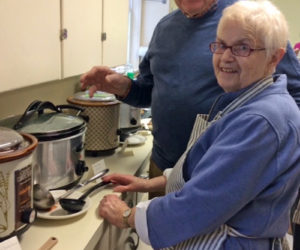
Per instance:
(243,171)
(177,79)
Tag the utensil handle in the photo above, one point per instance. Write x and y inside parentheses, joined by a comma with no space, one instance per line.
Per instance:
(101,184)
(101,173)
(49,243)
(70,191)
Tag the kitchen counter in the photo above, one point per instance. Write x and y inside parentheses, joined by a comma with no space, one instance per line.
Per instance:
(84,231)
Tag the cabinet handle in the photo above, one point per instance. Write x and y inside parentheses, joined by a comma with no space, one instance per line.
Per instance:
(63,34)
(103,36)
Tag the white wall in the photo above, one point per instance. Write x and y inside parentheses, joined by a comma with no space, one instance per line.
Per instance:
(291,10)
(152,12)
(134,32)
(145,14)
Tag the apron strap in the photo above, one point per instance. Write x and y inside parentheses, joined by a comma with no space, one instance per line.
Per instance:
(243,98)
(249,94)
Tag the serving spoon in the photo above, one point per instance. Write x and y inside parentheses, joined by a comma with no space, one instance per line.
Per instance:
(44,200)
(76,205)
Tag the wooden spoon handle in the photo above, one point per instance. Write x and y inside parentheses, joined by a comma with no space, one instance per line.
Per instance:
(49,243)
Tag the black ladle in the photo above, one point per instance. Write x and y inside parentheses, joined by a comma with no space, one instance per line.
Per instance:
(76,205)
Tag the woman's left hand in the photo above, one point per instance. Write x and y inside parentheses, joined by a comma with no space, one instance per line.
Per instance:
(111,208)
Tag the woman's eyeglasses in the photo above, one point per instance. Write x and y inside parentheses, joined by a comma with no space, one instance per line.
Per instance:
(237,50)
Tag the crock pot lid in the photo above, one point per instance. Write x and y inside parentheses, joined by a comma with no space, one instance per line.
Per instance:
(9,139)
(98,96)
(52,123)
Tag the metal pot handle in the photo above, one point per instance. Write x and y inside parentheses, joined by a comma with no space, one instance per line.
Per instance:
(27,114)
(67,106)
(47,105)
(80,110)
(35,106)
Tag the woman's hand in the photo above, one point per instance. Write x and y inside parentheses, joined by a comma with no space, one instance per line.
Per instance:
(127,183)
(104,79)
(111,208)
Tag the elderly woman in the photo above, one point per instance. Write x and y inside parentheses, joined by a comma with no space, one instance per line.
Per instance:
(235,184)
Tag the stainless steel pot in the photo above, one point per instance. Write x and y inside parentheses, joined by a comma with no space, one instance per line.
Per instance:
(59,158)
(16,182)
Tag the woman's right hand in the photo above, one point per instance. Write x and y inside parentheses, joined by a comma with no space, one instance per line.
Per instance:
(125,183)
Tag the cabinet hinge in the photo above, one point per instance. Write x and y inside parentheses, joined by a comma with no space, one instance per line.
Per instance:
(63,34)
(103,36)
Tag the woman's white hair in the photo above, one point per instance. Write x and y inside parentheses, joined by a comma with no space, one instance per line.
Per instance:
(262,22)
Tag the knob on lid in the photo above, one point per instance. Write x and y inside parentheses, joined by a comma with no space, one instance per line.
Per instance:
(9,139)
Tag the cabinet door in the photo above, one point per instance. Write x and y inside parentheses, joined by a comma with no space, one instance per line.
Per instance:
(82,48)
(115,25)
(29,44)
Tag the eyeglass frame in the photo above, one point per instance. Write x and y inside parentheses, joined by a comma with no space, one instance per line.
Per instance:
(231,49)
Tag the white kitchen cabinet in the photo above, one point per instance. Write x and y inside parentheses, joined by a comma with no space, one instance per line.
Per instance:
(114,238)
(124,239)
(31,49)
(115,26)
(87,23)
(128,239)
(29,44)
(103,237)
(82,49)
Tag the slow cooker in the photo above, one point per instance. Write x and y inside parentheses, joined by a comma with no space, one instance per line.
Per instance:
(103,112)
(130,121)
(16,182)
(130,117)
(59,159)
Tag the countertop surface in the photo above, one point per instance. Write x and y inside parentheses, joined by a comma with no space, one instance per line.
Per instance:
(83,231)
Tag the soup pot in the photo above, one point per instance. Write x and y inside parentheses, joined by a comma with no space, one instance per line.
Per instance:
(103,111)
(59,159)
(16,182)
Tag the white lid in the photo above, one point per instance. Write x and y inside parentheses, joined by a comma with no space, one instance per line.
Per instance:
(98,96)
(9,139)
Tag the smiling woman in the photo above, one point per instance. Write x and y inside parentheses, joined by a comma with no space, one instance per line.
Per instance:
(255,49)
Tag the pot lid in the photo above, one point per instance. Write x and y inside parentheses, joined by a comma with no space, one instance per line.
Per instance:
(52,124)
(9,139)
(99,96)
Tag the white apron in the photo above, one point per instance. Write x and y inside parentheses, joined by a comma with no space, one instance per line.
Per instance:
(215,239)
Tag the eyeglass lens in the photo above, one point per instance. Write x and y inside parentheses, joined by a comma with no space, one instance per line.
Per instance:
(238,50)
